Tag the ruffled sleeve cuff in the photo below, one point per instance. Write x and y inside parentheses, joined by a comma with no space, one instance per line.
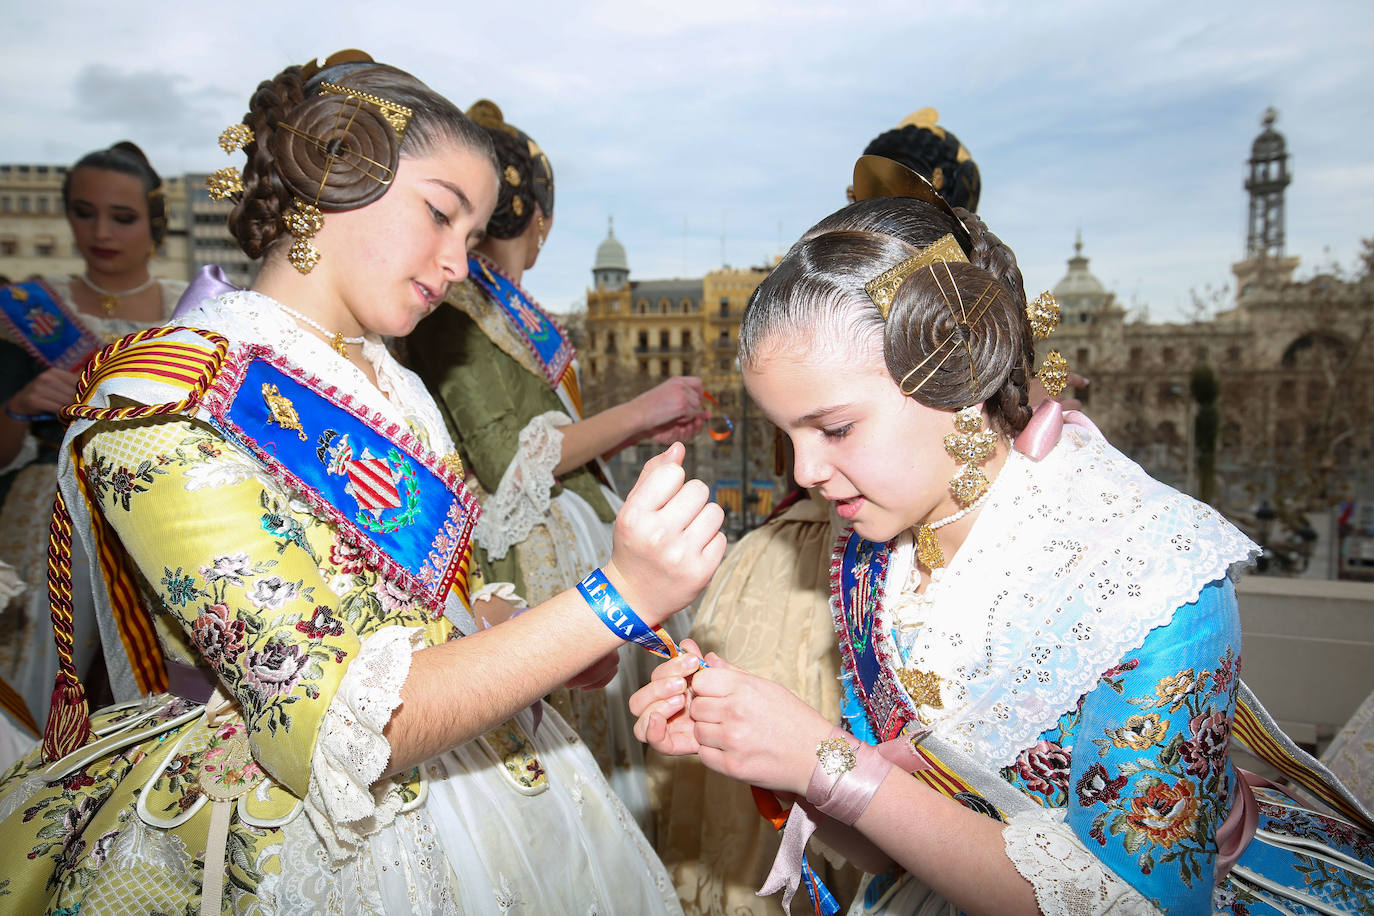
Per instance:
(27,454)
(352,753)
(1068,879)
(522,499)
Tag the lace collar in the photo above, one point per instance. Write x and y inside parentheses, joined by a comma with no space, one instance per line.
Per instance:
(250,317)
(1071,562)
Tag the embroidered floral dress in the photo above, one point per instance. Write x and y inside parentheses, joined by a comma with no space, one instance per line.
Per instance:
(270,790)
(27,657)
(542,532)
(1084,647)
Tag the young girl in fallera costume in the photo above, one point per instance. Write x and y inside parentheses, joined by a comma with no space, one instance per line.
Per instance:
(114,203)
(1040,643)
(506,377)
(337,734)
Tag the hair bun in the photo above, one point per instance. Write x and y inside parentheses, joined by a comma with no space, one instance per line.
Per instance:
(337,151)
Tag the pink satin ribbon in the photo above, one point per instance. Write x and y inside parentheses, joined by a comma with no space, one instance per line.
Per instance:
(1238,829)
(209,283)
(1046,425)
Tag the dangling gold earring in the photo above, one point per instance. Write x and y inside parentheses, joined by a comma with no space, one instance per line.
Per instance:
(303,220)
(971,445)
(539,245)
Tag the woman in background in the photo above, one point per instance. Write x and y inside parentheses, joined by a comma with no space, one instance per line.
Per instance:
(48,328)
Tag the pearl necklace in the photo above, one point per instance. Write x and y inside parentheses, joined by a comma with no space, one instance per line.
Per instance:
(337,341)
(927,547)
(109,300)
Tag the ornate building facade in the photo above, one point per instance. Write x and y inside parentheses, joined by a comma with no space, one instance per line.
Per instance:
(640,332)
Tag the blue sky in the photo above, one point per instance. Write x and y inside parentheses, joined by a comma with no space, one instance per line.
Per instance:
(717,131)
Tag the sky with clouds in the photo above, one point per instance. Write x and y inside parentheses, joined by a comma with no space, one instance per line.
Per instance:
(717,131)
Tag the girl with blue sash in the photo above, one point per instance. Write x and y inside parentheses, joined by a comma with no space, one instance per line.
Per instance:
(1040,644)
(506,376)
(280,529)
(49,327)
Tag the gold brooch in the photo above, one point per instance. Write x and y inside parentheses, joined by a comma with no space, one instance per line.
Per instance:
(836,756)
(454,462)
(281,411)
(398,116)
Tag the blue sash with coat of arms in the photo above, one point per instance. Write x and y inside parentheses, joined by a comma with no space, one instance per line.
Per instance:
(386,492)
(547,341)
(45,327)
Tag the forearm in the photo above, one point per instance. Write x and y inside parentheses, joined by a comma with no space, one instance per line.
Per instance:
(598,435)
(460,689)
(957,852)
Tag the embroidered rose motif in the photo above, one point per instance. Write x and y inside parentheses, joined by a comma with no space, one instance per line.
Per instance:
(275,670)
(392,597)
(230,569)
(272,592)
(1173,691)
(219,637)
(1139,732)
(101,851)
(1045,768)
(1164,813)
(1207,747)
(1221,680)
(347,558)
(321,624)
(1094,787)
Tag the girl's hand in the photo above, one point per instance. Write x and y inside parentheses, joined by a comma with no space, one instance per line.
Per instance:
(661,707)
(754,730)
(668,542)
(671,411)
(49,392)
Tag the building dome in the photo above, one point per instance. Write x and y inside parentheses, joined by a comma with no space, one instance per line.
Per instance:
(610,254)
(1270,143)
(1079,281)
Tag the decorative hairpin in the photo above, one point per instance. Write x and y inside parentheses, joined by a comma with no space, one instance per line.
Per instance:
(235,137)
(398,116)
(878,176)
(1043,315)
(224,183)
(882,289)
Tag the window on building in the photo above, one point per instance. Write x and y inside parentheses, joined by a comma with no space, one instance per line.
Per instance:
(687,305)
(723,364)
(643,367)
(1315,393)
(724,338)
(5,204)
(643,341)
(42,205)
(686,339)
(1137,357)
(663,343)
(686,367)
(724,307)
(44,249)
(610,341)
(663,367)
(23,204)
(663,306)
(643,306)
(1233,355)
(1082,358)
(1168,354)
(9,246)
(591,340)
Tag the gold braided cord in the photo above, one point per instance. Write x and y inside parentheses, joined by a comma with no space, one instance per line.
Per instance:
(90,376)
(69,718)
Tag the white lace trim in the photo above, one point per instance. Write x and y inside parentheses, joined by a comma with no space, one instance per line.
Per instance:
(1070,564)
(522,500)
(1067,878)
(351,752)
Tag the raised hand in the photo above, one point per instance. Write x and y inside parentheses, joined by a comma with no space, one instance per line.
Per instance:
(668,541)
(672,411)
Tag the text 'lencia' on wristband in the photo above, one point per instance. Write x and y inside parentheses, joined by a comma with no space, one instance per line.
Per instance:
(621,619)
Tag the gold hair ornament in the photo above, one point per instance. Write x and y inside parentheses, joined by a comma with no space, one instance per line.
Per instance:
(235,137)
(512,176)
(224,183)
(882,289)
(398,116)
(1054,373)
(878,176)
(1043,314)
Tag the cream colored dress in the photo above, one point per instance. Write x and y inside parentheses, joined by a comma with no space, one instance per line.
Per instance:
(767,611)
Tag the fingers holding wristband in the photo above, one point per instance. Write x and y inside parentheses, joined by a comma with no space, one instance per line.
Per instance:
(613,611)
